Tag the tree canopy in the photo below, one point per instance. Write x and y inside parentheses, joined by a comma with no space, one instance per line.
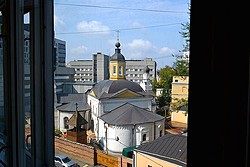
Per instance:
(179,68)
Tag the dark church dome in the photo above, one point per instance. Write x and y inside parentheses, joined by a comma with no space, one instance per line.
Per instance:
(117,55)
(106,88)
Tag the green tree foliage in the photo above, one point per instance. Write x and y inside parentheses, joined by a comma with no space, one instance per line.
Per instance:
(179,105)
(179,68)
(185,33)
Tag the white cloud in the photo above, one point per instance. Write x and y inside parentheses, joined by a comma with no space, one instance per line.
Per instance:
(166,51)
(139,44)
(136,24)
(138,49)
(59,24)
(79,50)
(92,26)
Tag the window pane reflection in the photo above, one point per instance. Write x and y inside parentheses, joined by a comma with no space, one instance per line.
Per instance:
(3,138)
(26,82)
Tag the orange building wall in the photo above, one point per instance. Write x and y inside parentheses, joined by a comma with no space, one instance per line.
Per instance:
(143,160)
(179,90)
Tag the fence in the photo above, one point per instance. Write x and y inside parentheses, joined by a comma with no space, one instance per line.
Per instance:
(90,154)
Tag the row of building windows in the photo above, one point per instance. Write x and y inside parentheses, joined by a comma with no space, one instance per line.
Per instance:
(83,74)
(82,79)
(83,69)
(134,69)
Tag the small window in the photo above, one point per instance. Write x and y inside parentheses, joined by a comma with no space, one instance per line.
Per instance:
(114,70)
(160,133)
(120,70)
(144,137)
(149,165)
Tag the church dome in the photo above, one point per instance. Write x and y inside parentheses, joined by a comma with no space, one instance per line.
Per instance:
(117,55)
(106,88)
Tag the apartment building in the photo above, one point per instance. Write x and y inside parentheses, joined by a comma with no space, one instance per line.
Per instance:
(97,69)
(100,67)
(135,69)
(94,70)
(60,52)
(83,70)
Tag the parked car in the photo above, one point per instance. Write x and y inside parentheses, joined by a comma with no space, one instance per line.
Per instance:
(62,160)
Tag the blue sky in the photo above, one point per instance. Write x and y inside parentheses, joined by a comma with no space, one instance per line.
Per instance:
(148,28)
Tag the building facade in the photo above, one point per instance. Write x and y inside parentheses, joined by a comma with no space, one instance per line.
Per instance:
(98,69)
(60,52)
(180,86)
(169,150)
(135,69)
(93,70)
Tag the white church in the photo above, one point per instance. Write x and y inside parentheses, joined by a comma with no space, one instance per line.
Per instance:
(121,110)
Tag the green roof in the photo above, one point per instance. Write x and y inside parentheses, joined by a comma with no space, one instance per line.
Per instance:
(127,152)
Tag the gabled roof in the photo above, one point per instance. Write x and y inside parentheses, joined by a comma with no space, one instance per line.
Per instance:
(129,114)
(170,147)
(76,120)
(71,106)
(73,97)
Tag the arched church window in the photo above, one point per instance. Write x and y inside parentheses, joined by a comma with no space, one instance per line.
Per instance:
(144,137)
(65,120)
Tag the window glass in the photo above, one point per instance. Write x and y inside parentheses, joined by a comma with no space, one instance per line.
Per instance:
(3,138)
(120,70)
(114,70)
(26,81)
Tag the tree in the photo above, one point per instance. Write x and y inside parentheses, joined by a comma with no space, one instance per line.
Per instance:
(181,66)
(185,33)
(179,104)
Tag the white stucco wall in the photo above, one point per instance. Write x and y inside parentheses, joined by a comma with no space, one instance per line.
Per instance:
(124,136)
(129,135)
(61,117)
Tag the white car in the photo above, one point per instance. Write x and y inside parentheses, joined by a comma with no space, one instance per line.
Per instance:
(64,161)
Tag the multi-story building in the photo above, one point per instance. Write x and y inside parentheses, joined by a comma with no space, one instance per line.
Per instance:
(180,85)
(94,70)
(97,69)
(63,75)
(60,52)
(135,69)
(83,70)
(100,67)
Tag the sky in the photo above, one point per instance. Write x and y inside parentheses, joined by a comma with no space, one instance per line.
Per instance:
(145,29)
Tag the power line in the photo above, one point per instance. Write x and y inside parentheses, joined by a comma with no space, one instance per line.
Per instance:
(123,29)
(119,8)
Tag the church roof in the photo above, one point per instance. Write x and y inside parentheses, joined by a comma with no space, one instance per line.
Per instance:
(106,88)
(117,55)
(73,97)
(71,106)
(76,119)
(129,114)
